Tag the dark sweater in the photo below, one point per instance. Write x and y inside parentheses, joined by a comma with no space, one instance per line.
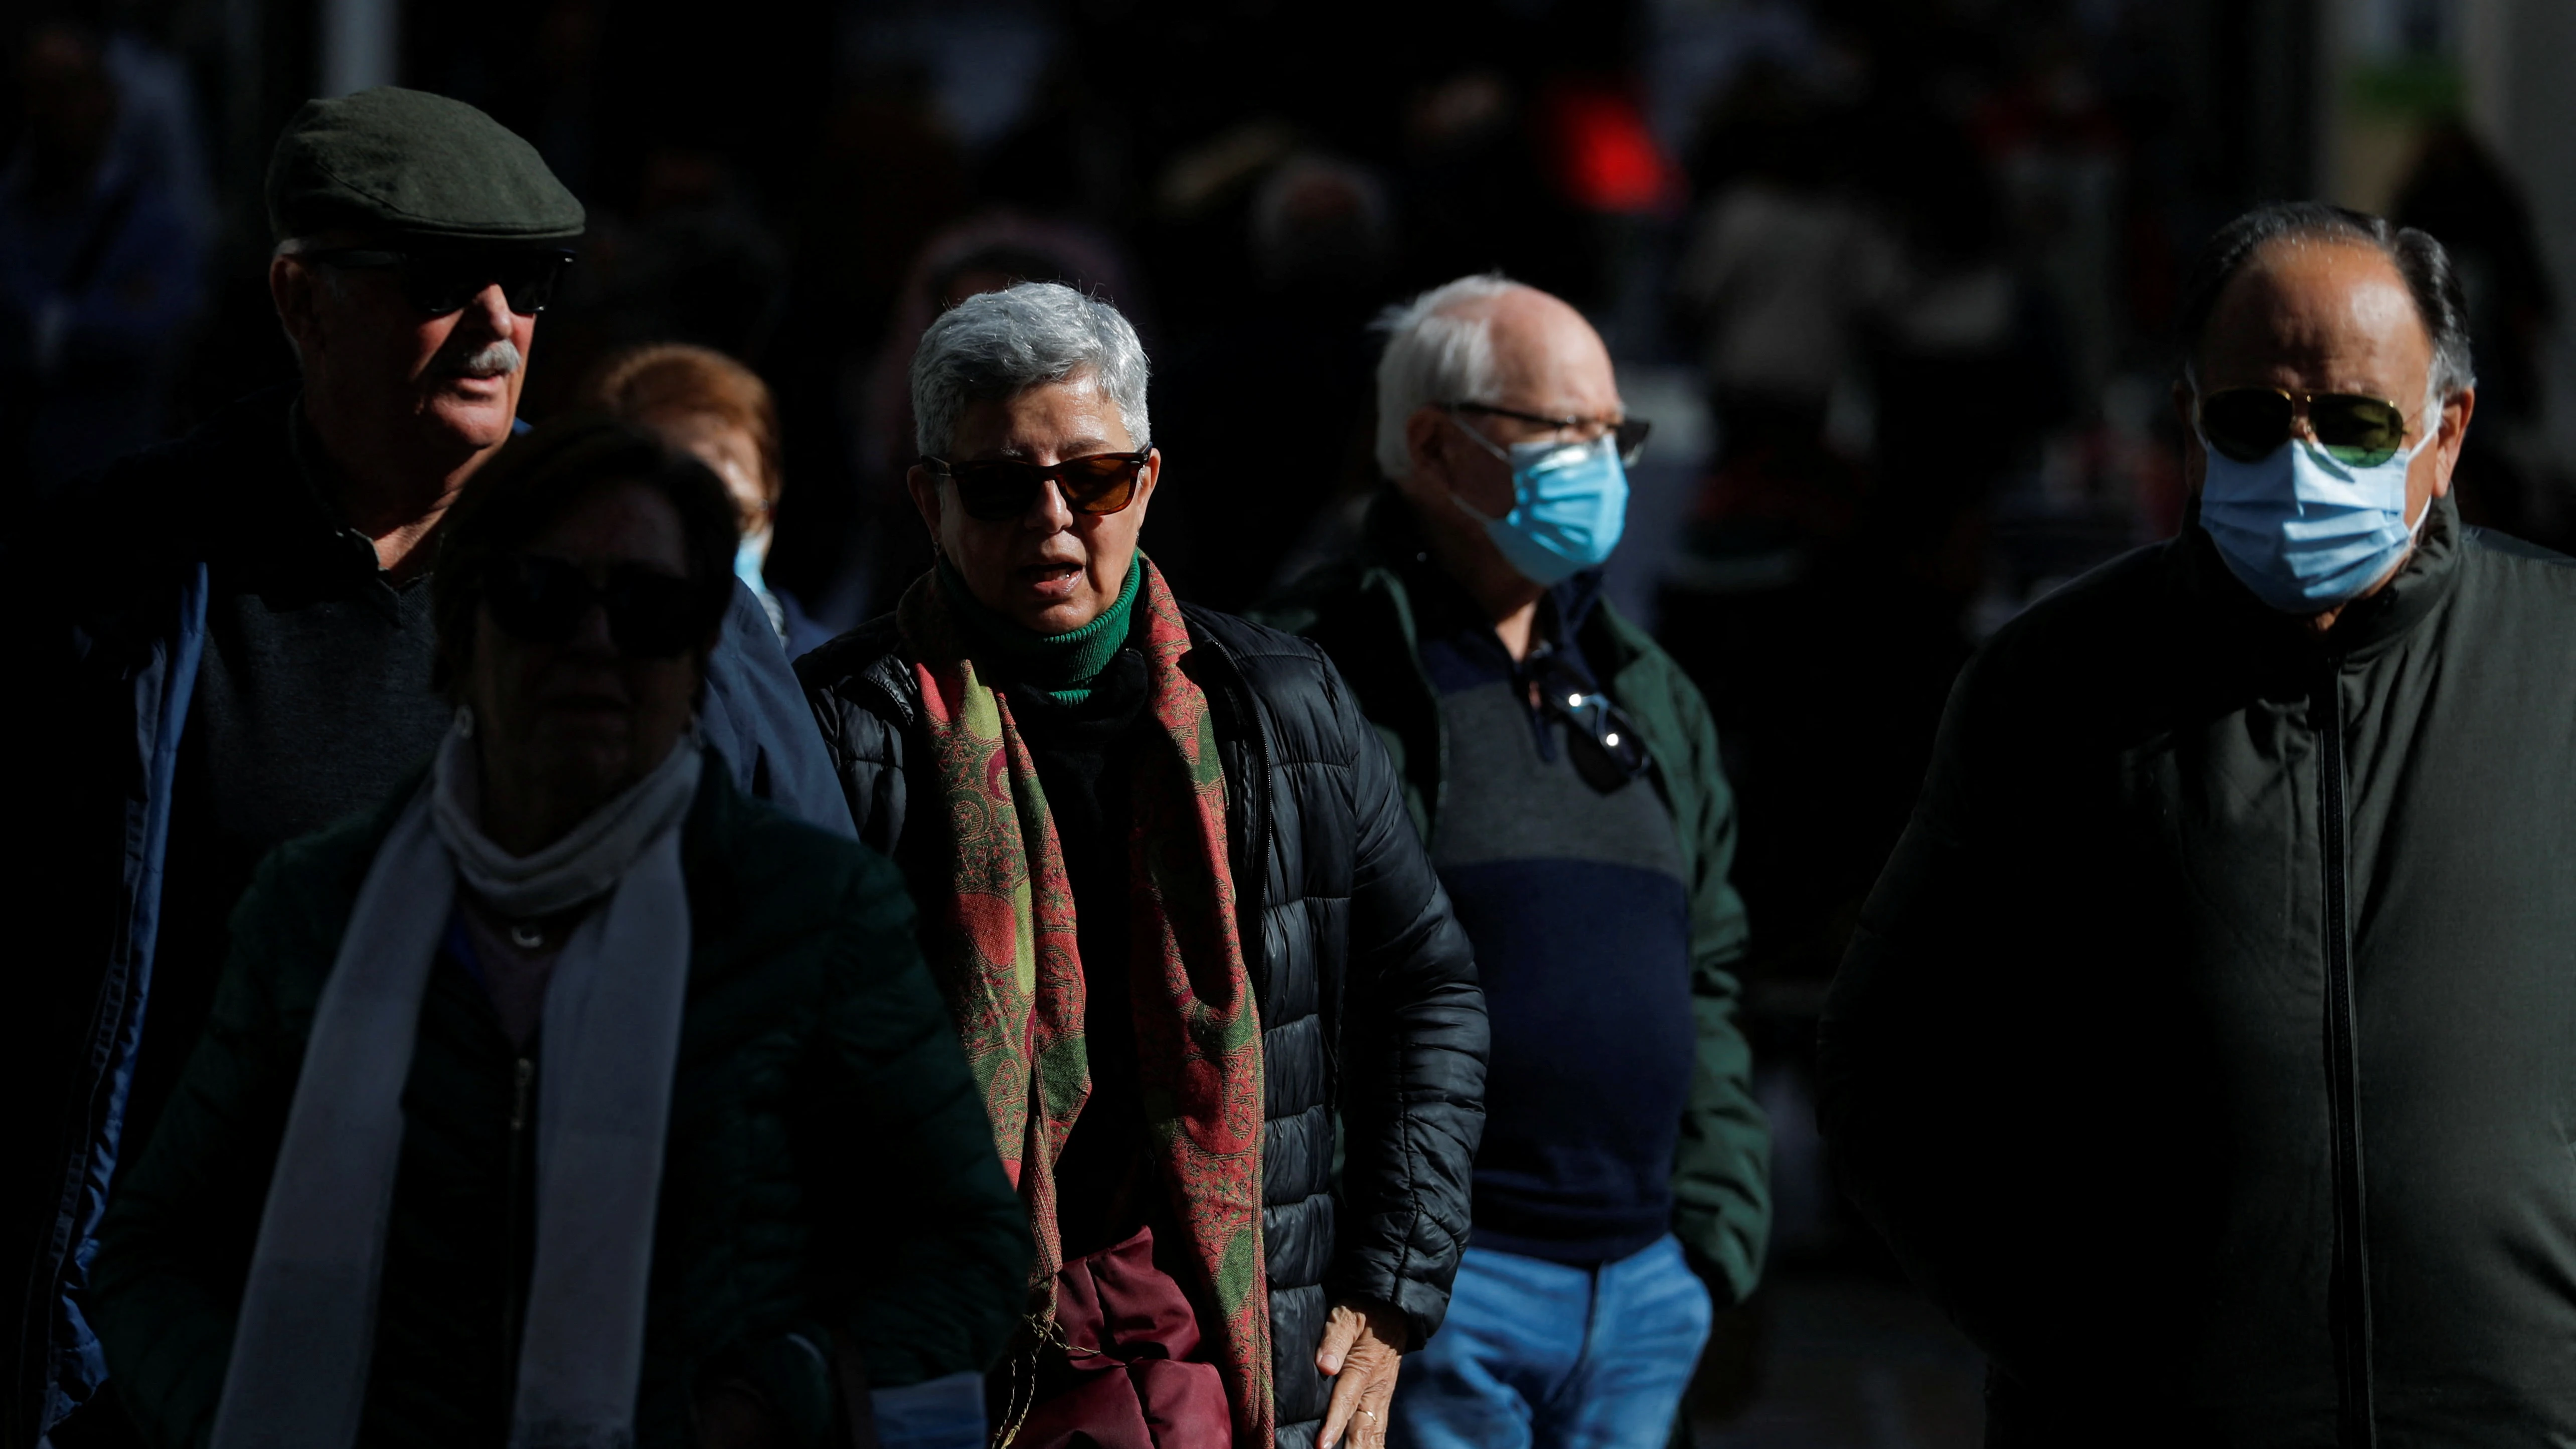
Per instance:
(1085,753)
(312,699)
(1568,877)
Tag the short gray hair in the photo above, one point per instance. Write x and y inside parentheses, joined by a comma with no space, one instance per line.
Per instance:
(1433,355)
(997,345)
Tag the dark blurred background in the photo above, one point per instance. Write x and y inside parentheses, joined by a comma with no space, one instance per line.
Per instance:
(1891,278)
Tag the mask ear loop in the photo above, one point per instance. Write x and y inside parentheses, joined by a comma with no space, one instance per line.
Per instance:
(1486,443)
(1500,454)
(2432,414)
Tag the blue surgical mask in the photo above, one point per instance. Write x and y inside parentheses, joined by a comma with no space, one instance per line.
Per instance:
(2303,531)
(1569,502)
(749,556)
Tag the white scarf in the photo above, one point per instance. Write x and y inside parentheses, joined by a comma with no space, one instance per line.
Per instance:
(304,1344)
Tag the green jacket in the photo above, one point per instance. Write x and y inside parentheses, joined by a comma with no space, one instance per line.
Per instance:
(829,1181)
(1360,609)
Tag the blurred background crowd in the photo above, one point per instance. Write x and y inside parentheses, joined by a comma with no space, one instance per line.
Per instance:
(1890,277)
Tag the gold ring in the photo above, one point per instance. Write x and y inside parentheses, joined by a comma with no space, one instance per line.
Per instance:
(1372,1413)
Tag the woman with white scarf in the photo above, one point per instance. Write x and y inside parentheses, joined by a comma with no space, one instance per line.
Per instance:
(572,1097)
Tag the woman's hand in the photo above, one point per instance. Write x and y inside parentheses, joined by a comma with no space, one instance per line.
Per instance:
(1362,1349)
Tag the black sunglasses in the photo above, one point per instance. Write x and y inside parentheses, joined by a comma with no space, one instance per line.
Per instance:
(2248,423)
(1630,433)
(442,282)
(1590,717)
(651,614)
(997,489)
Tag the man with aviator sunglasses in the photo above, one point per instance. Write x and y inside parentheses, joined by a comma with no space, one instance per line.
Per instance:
(2202,1049)
(233,637)
(1565,776)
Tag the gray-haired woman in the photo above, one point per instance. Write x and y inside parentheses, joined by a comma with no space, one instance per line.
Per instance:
(572,1097)
(1178,913)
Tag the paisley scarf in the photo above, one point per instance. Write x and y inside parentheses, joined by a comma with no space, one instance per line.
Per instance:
(1002,944)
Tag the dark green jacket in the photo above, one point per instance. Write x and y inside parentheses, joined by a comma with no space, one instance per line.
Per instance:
(829,1178)
(2208,1048)
(1361,610)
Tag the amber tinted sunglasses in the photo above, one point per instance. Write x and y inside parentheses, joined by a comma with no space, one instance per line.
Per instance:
(996,489)
(2248,423)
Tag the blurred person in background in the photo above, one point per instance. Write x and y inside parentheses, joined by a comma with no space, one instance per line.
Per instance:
(1565,776)
(691,260)
(233,637)
(2460,192)
(562,1034)
(159,115)
(1322,243)
(719,411)
(2202,1049)
(1228,1032)
(99,275)
(1966,377)
(1783,268)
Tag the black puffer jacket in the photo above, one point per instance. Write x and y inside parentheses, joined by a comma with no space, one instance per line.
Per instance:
(1367,991)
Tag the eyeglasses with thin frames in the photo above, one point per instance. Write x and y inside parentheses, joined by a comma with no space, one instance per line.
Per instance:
(1630,433)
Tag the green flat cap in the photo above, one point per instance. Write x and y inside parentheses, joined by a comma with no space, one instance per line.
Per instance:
(414,165)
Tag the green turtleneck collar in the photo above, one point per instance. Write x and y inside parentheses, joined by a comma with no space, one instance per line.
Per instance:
(1062,666)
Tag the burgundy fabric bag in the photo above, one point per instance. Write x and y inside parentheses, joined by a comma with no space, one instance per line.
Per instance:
(1128,1377)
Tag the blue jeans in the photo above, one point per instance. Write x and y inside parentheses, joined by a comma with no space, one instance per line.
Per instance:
(1543,1354)
(945,1413)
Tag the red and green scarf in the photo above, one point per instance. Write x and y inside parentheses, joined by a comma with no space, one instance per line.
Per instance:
(1002,946)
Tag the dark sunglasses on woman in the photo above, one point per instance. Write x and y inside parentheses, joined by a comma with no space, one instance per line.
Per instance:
(651,614)
(2249,423)
(998,489)
(442,282)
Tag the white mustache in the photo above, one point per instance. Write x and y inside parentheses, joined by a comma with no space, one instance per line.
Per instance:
(493,359)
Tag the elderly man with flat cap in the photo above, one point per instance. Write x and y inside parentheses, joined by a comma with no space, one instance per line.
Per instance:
(226,642)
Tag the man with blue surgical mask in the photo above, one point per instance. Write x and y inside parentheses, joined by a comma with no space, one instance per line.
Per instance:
(1566,777)
(2204,1048)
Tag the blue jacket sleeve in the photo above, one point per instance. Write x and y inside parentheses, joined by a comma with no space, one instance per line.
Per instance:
(755,715)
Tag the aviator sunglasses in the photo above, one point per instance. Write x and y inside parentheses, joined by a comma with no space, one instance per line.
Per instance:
(651,614)
(442,282)
(997,489)
(1591,719)
(2248,423)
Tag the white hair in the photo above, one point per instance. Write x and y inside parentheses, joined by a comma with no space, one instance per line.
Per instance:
(1434,355)
(1000,344)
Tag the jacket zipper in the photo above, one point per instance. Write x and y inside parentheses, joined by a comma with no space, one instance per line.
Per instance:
(2348,1294)
(522,1072)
